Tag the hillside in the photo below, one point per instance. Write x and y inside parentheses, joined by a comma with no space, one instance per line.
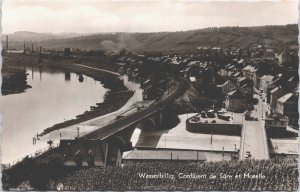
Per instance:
(33,36)
(275,36)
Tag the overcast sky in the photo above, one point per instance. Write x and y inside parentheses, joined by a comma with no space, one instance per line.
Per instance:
(90,16)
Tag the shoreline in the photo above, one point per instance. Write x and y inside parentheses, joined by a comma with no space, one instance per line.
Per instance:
(116,96)
(14,80)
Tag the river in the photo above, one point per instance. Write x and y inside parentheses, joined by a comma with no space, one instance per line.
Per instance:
(55,96)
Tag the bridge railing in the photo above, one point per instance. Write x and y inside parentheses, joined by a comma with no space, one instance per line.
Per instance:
(84,133)
(32,155)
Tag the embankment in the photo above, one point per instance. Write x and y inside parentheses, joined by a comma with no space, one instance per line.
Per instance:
(114,99)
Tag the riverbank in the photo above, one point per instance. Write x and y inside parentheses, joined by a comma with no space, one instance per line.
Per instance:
(14,80)
(114,99)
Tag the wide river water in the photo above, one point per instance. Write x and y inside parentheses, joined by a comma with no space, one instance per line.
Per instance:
(55,96)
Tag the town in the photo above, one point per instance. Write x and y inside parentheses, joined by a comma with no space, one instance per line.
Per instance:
(241,102)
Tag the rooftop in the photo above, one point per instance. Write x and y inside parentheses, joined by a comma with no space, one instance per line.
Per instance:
(284,98)
(234,119)
(236,94)
(249,68)
(267,77)
(222,85)
(272,116)
(240,79)
(274,90)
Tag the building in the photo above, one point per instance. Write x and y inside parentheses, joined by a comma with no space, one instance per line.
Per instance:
(265,81)
(130,74)
(221,124)
(227,87)
(69,149)
(146,156)
(67,52)
(149,91)
(248,93)
(250,73)
(236,101)
(276,121)
(287,105)
(275,94)
(242,81)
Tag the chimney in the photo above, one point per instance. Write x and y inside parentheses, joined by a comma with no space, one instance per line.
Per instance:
(32,48)
(40,50)
(24,48)
(6,42)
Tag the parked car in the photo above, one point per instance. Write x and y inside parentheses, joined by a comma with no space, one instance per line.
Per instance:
(211,114)
(203,114)
(224,117)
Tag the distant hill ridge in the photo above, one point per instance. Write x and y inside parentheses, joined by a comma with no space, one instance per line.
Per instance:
(276,37)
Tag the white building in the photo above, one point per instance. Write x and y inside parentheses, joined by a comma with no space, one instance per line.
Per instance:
(250,73)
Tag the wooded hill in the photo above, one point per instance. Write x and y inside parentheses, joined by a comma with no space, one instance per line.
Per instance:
(276,37)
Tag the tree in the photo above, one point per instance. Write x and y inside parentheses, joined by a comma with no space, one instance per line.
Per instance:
(42,172)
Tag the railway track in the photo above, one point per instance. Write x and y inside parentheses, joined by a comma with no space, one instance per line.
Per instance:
(124,122)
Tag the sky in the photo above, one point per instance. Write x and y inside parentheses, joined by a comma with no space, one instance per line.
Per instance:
(92,16)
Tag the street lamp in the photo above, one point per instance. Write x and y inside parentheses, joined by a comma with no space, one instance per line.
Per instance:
(78,132)
(262,110)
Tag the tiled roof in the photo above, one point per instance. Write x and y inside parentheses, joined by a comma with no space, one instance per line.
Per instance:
(284,98)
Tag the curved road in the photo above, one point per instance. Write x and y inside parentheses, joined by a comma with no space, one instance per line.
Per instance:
(110,72)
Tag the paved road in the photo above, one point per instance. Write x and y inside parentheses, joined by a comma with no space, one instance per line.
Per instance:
(98,69)
(254,137)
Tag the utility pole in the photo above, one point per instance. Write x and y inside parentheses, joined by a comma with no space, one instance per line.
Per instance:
(223,153)
(262,110)
(211,142)
(77,132)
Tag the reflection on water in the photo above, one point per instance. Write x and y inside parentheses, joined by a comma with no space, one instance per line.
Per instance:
(55,96)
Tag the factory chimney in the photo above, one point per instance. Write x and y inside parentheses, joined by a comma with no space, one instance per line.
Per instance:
(31,47)
(6,42)
(24,48)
